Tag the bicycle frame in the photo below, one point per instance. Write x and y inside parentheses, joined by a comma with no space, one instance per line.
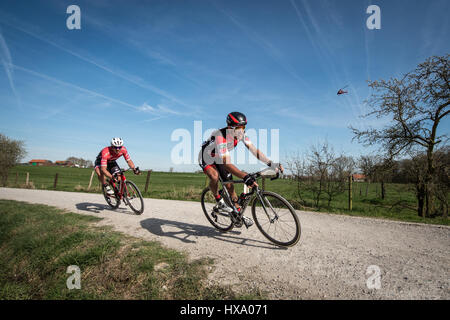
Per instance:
(250,196)
(122,184)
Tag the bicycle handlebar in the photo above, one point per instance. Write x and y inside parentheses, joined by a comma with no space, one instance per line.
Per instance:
(125,170)
(256,175)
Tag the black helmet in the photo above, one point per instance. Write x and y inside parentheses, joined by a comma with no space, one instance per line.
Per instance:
(235,119)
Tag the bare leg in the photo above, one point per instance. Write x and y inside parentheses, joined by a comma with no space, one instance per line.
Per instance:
(213,176)
(234,197)
(100,175)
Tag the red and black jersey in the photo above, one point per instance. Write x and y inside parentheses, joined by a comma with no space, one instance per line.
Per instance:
(221,142)
(106,155)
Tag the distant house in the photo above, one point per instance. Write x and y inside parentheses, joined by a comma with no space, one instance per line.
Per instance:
(359,177)
(40,162)
(64,163)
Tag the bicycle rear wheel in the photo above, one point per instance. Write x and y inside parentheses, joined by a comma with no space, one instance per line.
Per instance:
(220,221)
(112,200)
(276,219)
(134,198)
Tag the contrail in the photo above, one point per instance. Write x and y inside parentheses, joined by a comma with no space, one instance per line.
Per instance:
(118,74)
(44,76)
(5,55)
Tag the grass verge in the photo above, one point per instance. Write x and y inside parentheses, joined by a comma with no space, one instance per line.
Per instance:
(38,243)
(400,203)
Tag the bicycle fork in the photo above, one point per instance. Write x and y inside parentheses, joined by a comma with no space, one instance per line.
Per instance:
(261,198)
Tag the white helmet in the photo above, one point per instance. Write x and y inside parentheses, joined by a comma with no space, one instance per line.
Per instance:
(116,142)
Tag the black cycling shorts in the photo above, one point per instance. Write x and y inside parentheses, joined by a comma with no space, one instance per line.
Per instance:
(111,166)
(224,174)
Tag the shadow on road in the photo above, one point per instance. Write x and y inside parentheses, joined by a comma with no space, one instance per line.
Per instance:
(97,208)
(186,232)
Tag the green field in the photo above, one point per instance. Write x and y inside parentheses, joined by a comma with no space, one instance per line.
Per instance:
(38,243)
(399,203)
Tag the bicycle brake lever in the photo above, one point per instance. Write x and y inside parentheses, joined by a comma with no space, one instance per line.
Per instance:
(276,177)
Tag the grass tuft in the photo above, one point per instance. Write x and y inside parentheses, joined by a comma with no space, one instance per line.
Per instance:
(38,243)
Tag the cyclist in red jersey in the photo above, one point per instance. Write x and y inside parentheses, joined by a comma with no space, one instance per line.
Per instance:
(106,165)
(215,160)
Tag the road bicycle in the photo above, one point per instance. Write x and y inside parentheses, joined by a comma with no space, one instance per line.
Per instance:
(273,215)
(126,191)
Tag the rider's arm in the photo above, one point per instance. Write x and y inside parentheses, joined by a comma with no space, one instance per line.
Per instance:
(222,152)
(106,172)
(258,154)
(231,168)
(104,163)
(128,158)
(131,164)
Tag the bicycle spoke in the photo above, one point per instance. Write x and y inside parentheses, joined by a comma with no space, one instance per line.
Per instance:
(276,220)
(134,197)
(220,221)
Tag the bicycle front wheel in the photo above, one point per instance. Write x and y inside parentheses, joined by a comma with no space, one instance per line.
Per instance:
(220,221)
(111,199)
(134,197)
(276,219)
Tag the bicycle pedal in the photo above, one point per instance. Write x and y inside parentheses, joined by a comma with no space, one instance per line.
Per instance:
(236,219)
(238,224)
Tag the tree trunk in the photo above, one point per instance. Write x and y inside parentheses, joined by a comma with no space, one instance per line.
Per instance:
(383,190)
(421,199)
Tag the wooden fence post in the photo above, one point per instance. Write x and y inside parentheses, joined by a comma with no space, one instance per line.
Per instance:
(17,179)
(28,179)
(149,172)
(56,181)
(350,193)
(206,181)
(90,180)
(263,183)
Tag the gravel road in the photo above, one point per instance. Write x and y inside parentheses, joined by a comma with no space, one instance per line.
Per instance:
(338,257)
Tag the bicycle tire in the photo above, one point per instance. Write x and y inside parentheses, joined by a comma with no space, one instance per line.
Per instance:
(137,193)
(225,224)
(289,213)
(112,201)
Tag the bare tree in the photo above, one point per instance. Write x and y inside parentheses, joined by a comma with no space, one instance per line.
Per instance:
(367,166)
(12,151)
(321,158)
(298,166)
(338,171)
(417,103)
(320,173)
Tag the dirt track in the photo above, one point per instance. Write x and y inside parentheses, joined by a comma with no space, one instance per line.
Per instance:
(329,262)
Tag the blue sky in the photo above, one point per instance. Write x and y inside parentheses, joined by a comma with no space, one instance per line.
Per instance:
(141,69)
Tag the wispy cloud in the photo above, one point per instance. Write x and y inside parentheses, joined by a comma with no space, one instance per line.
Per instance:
(317,40)
(159,109)
(6,59)
(120,74)
(268,47)
(73,86)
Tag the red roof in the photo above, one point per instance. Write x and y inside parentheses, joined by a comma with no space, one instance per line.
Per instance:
(39,160)
(358,176)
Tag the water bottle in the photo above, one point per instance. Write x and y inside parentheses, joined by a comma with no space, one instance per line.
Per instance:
(241,199)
